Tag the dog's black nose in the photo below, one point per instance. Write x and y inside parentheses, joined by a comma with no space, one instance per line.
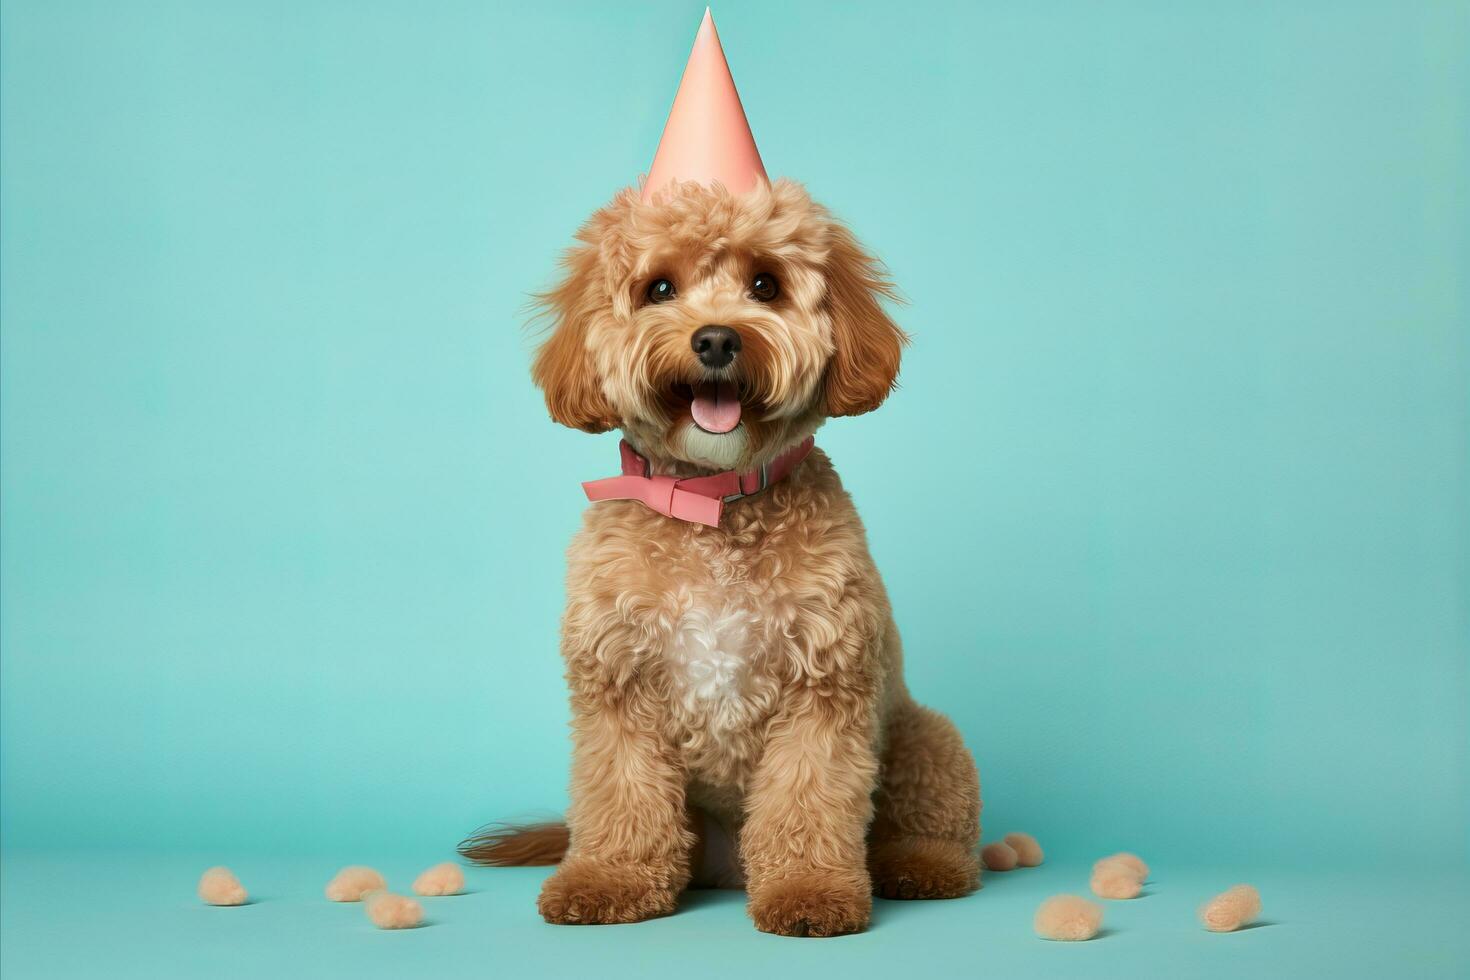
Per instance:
(716,345)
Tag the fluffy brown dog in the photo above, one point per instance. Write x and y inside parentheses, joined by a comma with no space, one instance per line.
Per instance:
(741,680)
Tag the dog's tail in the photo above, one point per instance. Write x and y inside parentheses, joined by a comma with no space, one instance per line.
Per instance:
(505,845)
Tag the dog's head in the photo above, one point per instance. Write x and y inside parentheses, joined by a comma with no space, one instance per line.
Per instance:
(716,329)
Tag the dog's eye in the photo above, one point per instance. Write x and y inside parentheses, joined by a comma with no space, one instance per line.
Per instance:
(764,287)
(660,291)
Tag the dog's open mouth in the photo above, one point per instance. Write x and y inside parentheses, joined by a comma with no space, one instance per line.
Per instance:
(714,405)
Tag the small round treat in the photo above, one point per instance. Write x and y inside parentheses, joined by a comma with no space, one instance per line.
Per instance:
(219,886)
(1028,852)
(353,882)
(1068,918)
(441,879)
(1231,909)
(1132,862)
(1115,881)
(389,911)
(998,856)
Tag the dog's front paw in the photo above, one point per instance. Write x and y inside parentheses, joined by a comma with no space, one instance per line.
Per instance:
(584,892)
(812,905)
(923,867)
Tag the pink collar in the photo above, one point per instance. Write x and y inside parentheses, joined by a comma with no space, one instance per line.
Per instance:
(698,499)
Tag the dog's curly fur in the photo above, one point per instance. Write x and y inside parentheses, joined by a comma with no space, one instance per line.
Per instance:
(749,676)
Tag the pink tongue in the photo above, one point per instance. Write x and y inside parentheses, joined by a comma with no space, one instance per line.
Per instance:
(716,407)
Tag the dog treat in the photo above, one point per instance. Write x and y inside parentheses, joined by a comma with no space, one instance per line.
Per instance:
(219,886)
(1068,918)
(353,882)
(1119,876)
(1115,881)
(1132,862)
(441,879)
(1028,852)
(999,856)
(389,911)
(1231,909)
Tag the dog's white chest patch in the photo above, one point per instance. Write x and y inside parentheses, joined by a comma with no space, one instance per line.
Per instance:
(709,654)
(720,688)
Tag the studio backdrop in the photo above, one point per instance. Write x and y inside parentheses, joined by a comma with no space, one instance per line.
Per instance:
(1171,503)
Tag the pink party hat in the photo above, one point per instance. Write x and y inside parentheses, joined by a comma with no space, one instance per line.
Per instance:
(706,138)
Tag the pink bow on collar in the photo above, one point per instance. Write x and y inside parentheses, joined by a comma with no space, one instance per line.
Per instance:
(698,499)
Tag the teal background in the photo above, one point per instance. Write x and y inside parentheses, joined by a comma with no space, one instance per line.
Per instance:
(1172,504)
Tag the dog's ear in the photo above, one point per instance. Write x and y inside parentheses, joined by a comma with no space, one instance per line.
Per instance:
(867,344)
(563,368)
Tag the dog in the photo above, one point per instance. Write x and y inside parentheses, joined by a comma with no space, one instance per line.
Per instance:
(735,682)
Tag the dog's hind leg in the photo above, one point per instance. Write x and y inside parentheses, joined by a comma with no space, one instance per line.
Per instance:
(926,820)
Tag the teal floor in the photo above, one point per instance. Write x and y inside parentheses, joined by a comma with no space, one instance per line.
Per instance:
(114,916)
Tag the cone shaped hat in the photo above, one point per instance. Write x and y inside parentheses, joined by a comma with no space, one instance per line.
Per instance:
(706,138)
